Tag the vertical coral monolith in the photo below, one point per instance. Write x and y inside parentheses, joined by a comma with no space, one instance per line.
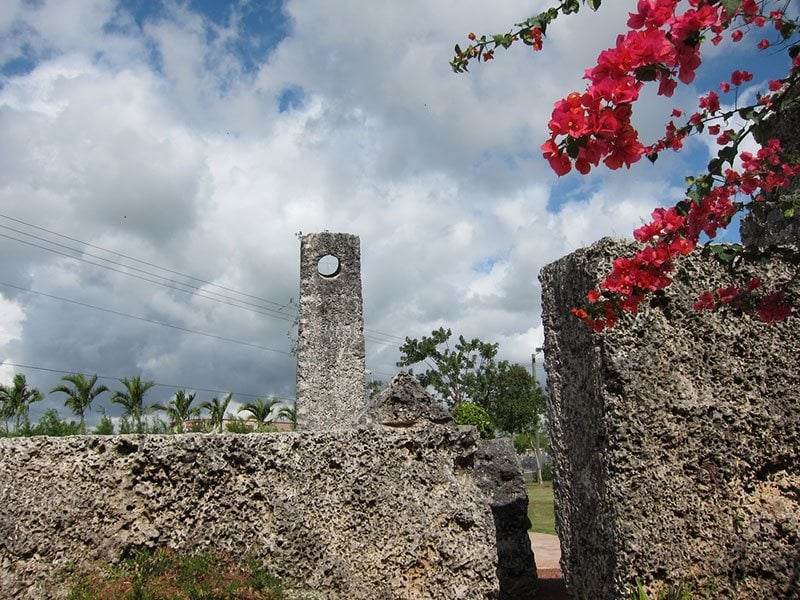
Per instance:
(330,346)
(676,436)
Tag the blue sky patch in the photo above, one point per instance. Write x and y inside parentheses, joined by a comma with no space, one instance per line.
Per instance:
(19,65)
(291,98)
(262,24)
(485,265)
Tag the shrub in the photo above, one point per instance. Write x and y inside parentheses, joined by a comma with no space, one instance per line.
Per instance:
(238,426)
(51,424)
(169,574)
(105,427)
(468,413)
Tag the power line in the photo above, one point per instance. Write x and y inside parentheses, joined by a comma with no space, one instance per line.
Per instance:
(388,339)
(146,320)
(371,338)
(389,375)
(137,260)
(194,291)
(168,385)
(384,337)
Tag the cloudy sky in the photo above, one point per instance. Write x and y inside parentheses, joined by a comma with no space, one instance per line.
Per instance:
(159,158)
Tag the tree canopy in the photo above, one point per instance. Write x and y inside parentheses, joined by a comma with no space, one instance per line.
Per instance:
(80,394)
(15,401)
(516,400)
(457,374)
(468,372)
(132,399)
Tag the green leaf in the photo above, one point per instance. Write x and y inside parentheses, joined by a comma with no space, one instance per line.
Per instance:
(725,253)
(594,4)
(574,146)
(789,206)
(570,7)
(543,26)
(731,6)
(728,154)
(748,113)
(787,29)
(715,166)
(763,130)
(646,73)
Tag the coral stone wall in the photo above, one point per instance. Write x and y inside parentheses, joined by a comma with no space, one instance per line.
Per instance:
(367,513)
(676,437)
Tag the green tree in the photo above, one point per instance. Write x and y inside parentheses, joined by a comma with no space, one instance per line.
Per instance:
(106,425)
(15,402)
(80,394)
(51,424)
(458,374)
(290,414)
(517,402)
(132,401)
(238,425)
(179,409)
(216,409)
(514,398)
(468,413)
(260,410)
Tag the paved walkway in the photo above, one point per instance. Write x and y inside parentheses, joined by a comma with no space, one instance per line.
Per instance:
(547,552)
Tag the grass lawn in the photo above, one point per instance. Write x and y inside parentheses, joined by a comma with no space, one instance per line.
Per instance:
(540,507)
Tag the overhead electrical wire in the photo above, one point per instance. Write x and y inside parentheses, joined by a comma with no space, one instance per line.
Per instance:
(191,291)
(373,336)
(137,260)
(144,319)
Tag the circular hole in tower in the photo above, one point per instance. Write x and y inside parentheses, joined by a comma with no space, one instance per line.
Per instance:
(328,266)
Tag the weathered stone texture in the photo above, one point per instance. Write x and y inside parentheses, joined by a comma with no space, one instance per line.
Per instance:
(496,469)
(773,227)
(499,475)
(404,403)
(366,513)
(330,345)
(676,437)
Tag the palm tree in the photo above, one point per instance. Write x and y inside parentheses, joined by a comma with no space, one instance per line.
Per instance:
(260,410)
(290,414)
(179,410)
(217,408)
(132,399)
(16,399)
(80,394)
